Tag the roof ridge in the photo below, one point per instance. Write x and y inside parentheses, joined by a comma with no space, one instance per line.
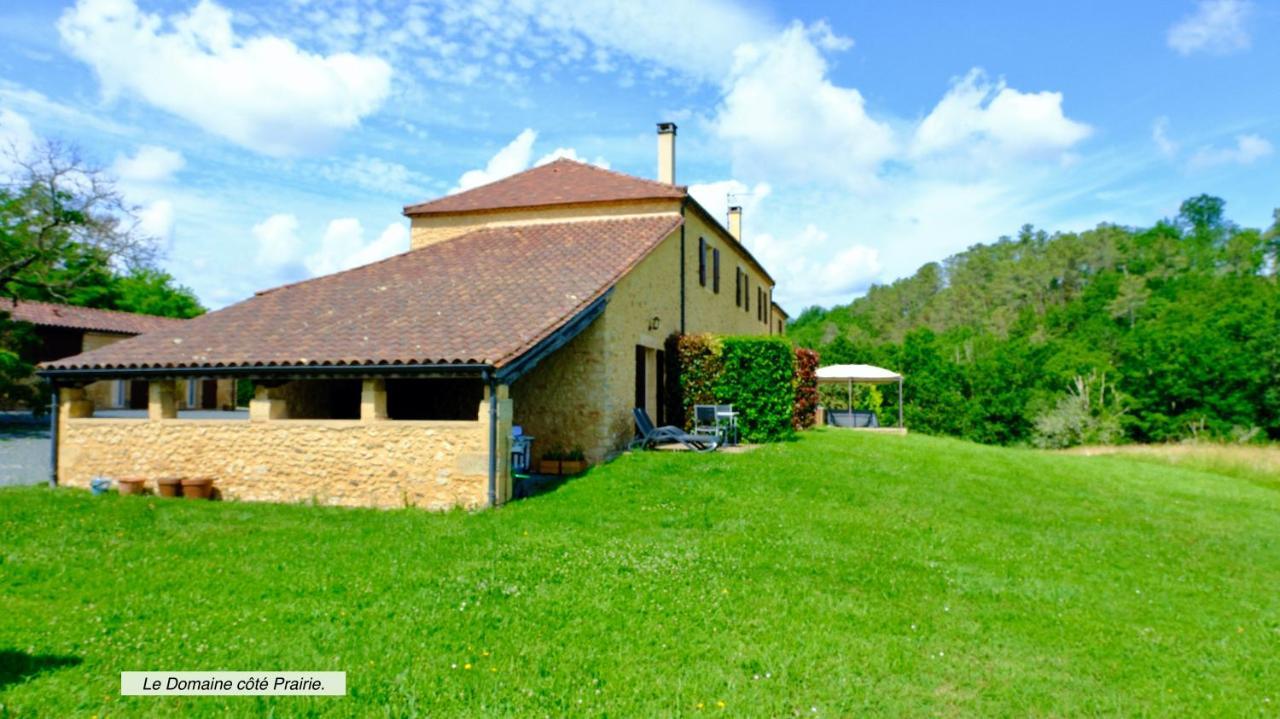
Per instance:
(490,196)
(610,170)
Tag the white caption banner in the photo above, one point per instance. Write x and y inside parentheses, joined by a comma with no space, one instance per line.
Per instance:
(233,683)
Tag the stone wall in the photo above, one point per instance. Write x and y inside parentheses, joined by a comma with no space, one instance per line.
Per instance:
(706,311)
(434,465)
(560,401)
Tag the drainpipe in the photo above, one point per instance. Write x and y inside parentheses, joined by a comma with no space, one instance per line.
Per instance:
(683,203)
(493,438)
(53,436)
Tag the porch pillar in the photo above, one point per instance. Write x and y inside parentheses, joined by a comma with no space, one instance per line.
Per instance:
(162,399)
(502,445)
(72,403)
(373,400)
(268,403)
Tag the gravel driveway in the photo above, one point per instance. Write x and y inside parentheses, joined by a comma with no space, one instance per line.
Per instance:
(24,454)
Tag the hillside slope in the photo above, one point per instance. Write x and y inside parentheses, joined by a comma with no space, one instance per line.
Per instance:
(837,575)
(1146,334)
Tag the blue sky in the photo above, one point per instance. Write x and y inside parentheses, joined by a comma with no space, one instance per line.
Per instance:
(268,142)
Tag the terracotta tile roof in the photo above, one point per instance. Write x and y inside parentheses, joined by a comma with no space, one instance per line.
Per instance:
(557,183)
(485,297)
(85,318)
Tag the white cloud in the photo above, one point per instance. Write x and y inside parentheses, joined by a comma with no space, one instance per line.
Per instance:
(569,153)
(1217,27)
(512,158)
(1247,150)
(343,246)
(378,175)
(715,198)
(279,247)
(261,92)
(157,220)
(516,156)
(812,267)
(992,121)
(785,119)
(16,138)
(1160,136)
(151,163)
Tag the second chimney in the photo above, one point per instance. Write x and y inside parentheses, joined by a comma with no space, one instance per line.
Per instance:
(735,222)
(667,152)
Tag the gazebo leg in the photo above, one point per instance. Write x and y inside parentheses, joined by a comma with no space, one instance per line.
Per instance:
(900,423)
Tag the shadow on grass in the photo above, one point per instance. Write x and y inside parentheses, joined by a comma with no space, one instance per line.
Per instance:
(17,667)
(539,484)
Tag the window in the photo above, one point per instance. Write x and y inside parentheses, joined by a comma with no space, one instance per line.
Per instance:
(746,297)
(737,287)
(434,398)
(715,273)
(702,261)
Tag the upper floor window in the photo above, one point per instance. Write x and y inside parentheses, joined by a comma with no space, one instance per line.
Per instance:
(746,296)
(737,287)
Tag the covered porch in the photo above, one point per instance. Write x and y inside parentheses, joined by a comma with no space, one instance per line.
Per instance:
(435,438)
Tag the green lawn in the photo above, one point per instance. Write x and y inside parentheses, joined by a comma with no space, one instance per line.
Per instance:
(842,574)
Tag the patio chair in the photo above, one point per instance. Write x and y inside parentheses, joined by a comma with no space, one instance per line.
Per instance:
(704,419)
(727,421)
(649,436)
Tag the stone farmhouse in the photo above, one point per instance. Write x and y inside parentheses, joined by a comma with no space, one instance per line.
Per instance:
(65,330)
(541,300)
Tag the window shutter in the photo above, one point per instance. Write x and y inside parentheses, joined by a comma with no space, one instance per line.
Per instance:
(715,269)
(702,261)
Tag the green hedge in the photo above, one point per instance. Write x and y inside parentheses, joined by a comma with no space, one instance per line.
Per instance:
(754,374)
(701,363)
(759,381)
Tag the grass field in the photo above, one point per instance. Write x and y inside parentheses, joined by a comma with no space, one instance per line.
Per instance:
(838,575)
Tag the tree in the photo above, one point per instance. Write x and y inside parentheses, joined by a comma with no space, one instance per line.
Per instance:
(58,209)
(1271,241)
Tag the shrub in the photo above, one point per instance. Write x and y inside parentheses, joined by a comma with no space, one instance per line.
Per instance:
(806,381)
(758,379)
(1083,416)
(701,363)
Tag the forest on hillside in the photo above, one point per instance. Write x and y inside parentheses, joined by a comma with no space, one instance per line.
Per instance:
(1115,334)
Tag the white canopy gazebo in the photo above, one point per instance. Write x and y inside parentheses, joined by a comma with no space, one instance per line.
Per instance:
(849,374)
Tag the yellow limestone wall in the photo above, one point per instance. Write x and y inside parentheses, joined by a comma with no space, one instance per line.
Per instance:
(430,464)
(582,396)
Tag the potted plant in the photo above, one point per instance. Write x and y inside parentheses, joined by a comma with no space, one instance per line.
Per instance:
(131,485)
(573,462)
(197,487)
(169,486)
(550,462)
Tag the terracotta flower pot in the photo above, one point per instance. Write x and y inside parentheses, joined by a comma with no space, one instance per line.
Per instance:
(131,485)
(169,486)
(197,488)
(573,466)
(548,466)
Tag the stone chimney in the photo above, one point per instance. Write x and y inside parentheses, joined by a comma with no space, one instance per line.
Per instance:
(667,152)
(735,222)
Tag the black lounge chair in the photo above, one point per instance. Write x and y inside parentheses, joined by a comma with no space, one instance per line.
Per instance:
(648,436)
